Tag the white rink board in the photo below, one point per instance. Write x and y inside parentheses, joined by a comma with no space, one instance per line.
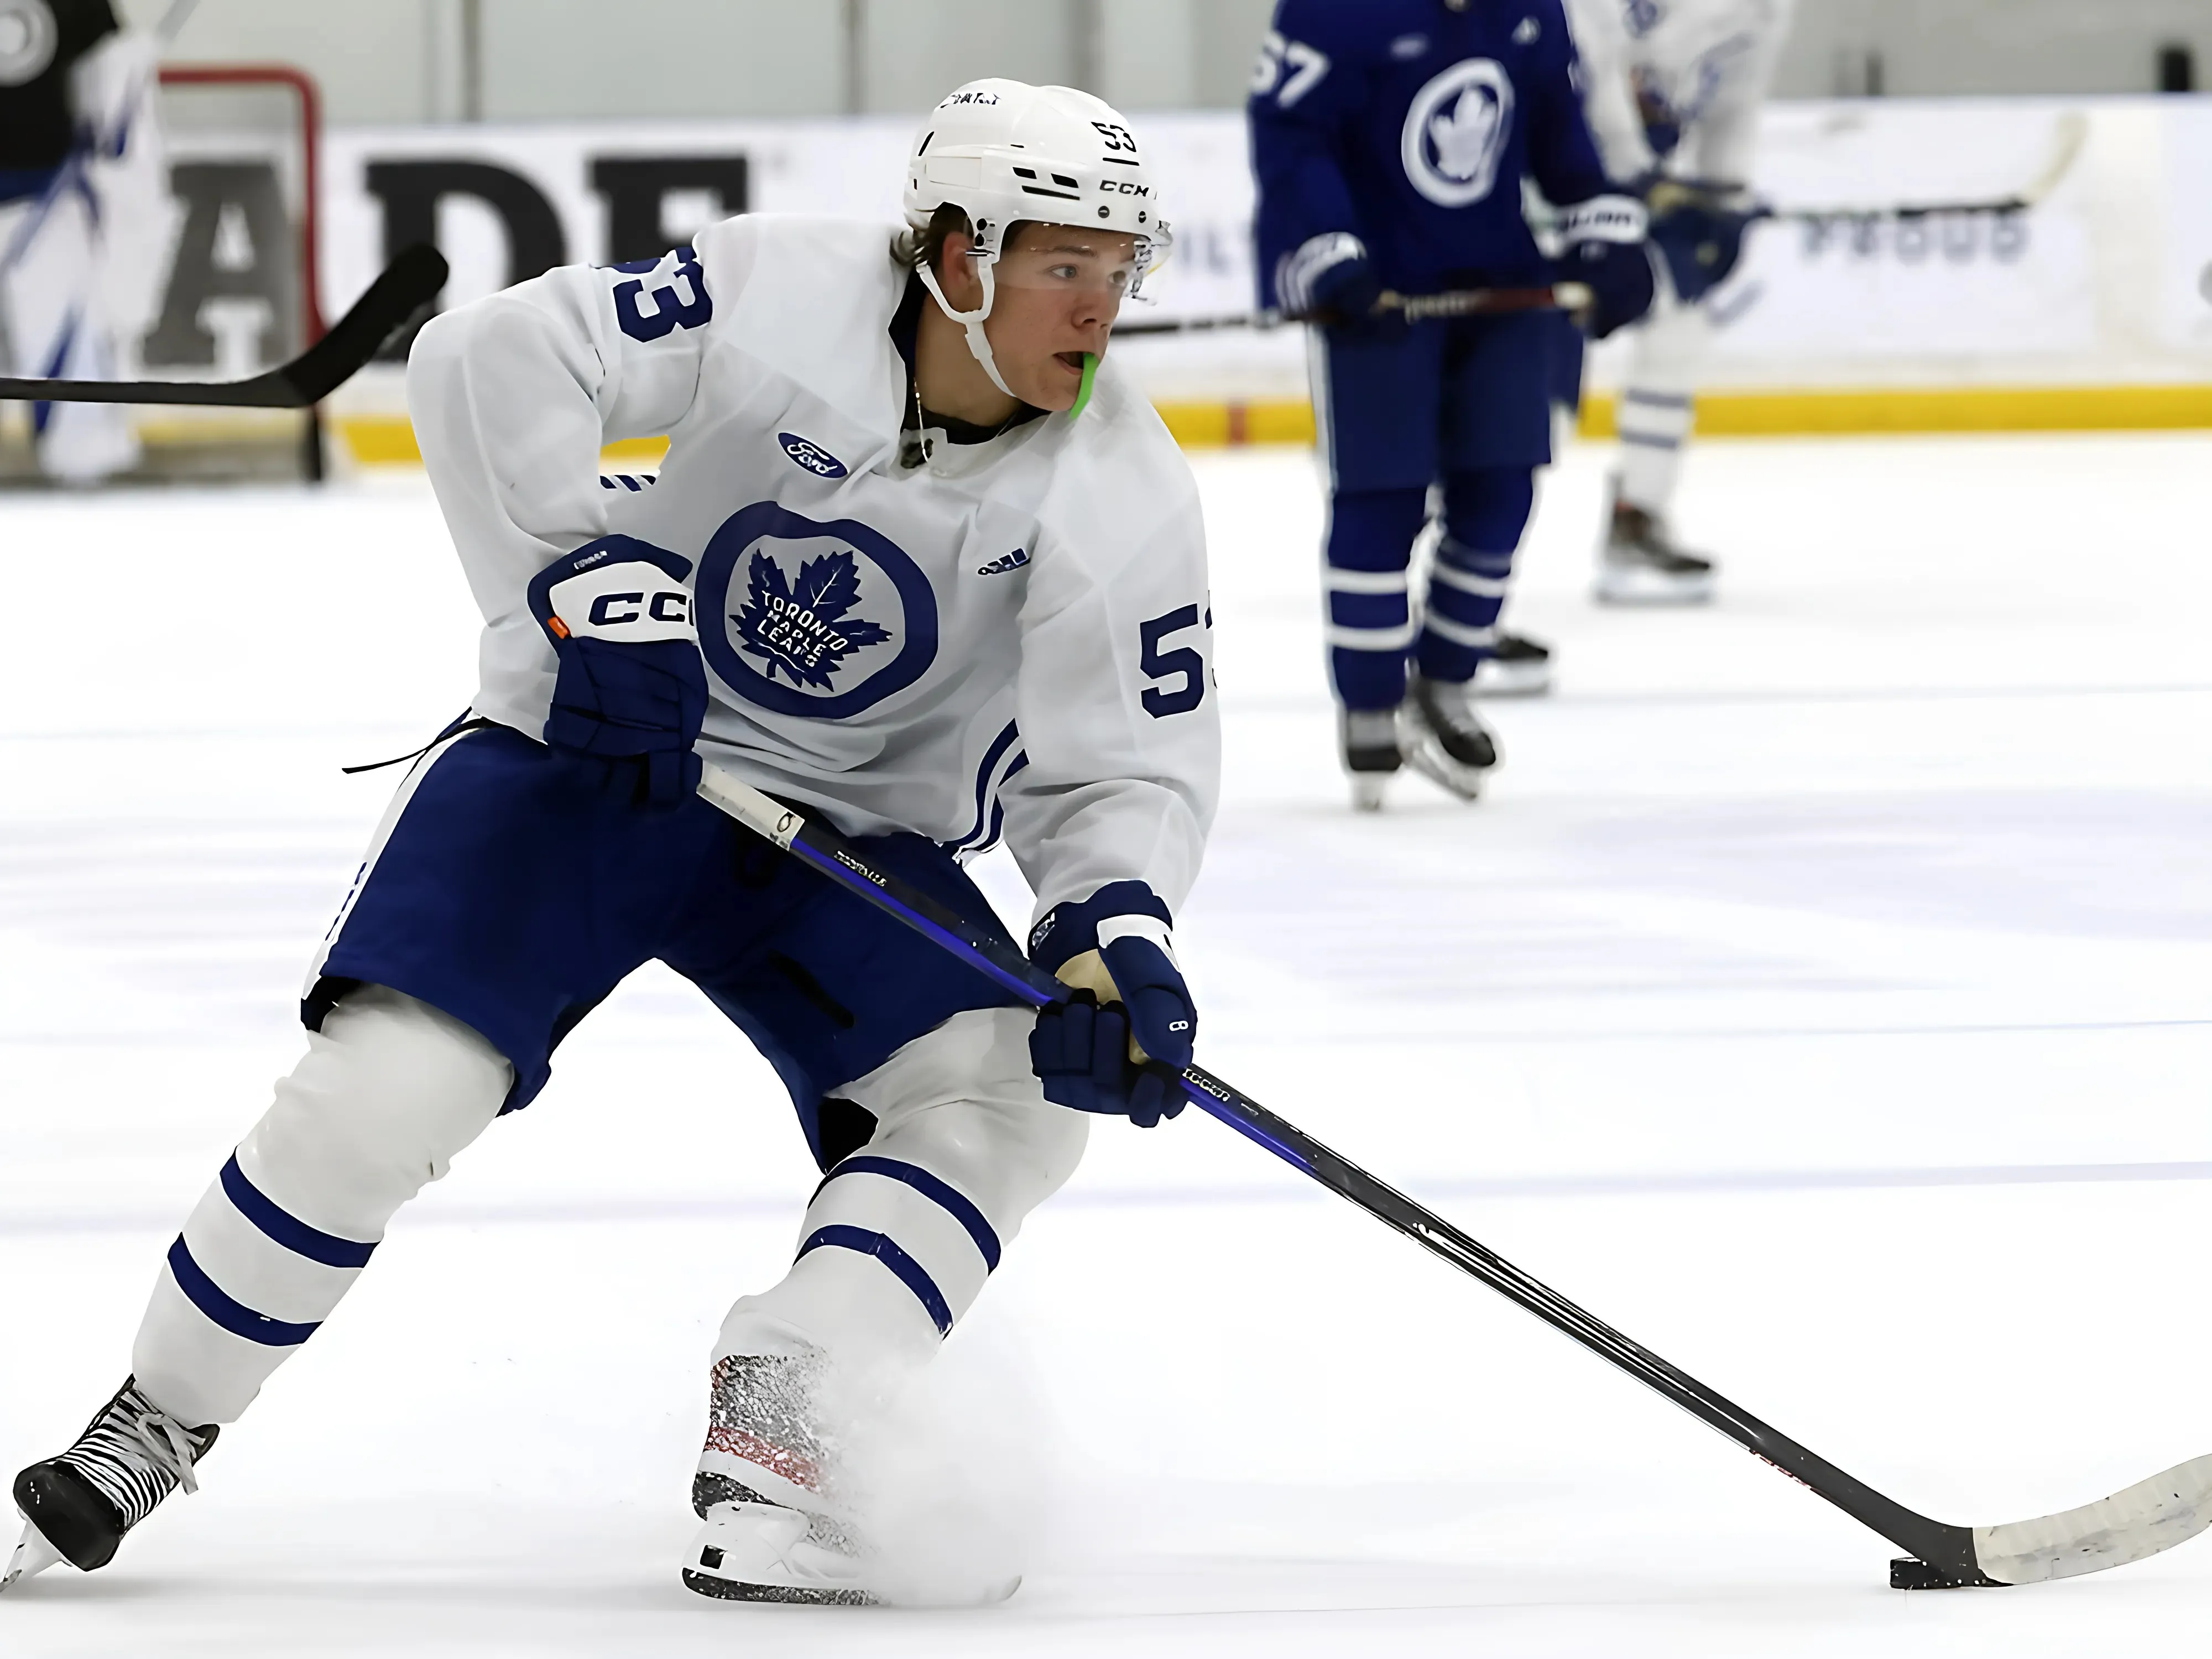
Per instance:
(1820,997)
(2104,283)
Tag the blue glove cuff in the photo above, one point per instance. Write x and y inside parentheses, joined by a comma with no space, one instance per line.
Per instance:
(1066,931)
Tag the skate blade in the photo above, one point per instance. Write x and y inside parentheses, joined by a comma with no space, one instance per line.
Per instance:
(1490,681)
(32,1556)
(1636,587)
(1428,759)
(1368,789)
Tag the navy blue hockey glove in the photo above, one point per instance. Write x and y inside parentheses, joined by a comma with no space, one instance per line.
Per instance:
(1331,281)
(1606,251)
(1701,243)
(630,688)
(1086,1053)
(1080,1053)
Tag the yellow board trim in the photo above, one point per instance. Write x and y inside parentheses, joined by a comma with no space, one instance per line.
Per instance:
(389,440)
(1933,409)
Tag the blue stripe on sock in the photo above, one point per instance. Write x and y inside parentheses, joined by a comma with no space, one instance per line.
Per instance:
(909,1271)
(286,1229)
(233,1316)
(940,1193)
(1658,400)
(1648,442)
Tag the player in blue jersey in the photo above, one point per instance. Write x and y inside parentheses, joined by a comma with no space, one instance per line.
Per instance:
(1390,139)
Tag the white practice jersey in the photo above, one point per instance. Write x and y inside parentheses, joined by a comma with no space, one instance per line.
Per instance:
(1702,66)
(1014,637)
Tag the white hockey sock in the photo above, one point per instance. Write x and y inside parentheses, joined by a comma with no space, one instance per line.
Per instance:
(389,1091)
(901,1237)
(1654,428)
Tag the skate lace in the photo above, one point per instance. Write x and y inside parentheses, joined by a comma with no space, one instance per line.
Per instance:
(136,1454)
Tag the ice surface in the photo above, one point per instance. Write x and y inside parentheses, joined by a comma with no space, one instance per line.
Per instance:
(1820,995)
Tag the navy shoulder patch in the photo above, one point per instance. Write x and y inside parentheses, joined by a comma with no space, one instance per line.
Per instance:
(1004,562)
(811,455)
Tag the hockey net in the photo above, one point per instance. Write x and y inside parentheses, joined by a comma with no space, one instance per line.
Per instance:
(238,294)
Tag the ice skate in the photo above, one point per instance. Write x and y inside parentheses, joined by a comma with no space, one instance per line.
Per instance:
(1640,563)
(1368,740)
(1442,737)
(77,1507)
(1518,666)
(750,1550)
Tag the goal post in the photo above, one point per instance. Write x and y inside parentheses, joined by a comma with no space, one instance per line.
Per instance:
(243,288)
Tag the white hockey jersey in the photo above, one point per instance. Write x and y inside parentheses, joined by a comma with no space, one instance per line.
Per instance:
(1014,635)
(1702,66)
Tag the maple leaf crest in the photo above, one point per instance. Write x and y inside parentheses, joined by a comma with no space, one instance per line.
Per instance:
(1464,133)
(802,629)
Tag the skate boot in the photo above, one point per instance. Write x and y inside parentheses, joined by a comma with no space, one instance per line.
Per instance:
(1640,563)
(77,1506)
(1368,739)
(1518,666)
(763,1491)
(1442,737)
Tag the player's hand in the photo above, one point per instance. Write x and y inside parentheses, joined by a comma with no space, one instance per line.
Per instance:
(1701,243)
(1606,250)
(630,688)
(1347,299)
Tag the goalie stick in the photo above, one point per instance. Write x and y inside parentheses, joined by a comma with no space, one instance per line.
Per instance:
(1416,307)
(2142,1520)
(405,286)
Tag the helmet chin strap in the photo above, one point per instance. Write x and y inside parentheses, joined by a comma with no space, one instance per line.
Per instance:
(978,341)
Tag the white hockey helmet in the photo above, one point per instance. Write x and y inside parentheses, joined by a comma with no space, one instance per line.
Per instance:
(1004,152)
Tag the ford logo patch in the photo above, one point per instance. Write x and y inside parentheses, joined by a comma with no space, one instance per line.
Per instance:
(812,456)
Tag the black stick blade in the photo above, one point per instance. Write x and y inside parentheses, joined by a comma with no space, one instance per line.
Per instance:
(406,285)
(1908,1573)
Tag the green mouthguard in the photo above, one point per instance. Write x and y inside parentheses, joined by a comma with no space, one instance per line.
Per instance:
(1090,380)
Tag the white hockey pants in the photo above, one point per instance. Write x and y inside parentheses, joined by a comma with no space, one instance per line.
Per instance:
(896,1243)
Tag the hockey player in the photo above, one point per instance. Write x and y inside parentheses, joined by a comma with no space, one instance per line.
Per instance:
(1672,89)
(918,561)
(83,212)
(1390,138)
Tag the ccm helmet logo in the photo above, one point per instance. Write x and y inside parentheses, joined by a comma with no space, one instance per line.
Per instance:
(812,456)
(1124,187)
(611,610)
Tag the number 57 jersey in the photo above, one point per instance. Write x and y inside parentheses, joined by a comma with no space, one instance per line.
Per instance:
(1009,639)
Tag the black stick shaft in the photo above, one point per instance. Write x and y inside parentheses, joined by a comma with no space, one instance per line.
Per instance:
(1417,308)
(1948,1548)
(405,287)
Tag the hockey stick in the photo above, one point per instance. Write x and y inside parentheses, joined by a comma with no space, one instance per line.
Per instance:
(407,284)
(2152,1515)
(2073,134)
(1416,307)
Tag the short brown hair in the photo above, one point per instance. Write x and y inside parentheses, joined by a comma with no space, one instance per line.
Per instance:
(915,248)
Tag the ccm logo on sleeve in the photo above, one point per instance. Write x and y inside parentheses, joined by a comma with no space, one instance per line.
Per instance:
(811,455)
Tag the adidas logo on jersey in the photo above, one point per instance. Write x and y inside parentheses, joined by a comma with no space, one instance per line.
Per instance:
(999,567)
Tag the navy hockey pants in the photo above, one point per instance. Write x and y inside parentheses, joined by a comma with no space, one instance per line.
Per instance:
(1466,404)
(508,889)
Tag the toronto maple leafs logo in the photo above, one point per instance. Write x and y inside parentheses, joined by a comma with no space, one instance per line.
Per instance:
(1456,132)
(804,630)
(1464,134)
(821,619)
